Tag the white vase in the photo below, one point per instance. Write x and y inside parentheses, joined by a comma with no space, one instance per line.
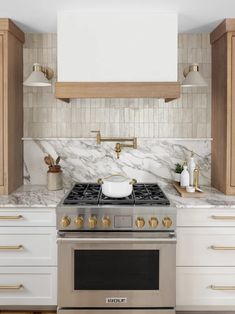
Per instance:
(184,178)
(54,181)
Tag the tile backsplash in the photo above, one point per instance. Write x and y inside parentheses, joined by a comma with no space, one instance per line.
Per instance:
(187,117)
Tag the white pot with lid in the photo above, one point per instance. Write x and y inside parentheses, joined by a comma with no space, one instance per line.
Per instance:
(117,185)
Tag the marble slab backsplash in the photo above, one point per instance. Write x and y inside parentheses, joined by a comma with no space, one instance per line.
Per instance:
(85,161)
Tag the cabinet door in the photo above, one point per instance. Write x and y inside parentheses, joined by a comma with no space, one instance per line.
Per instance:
(1,115)
(232,174)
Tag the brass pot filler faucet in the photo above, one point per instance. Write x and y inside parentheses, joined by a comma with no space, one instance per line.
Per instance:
(119,146)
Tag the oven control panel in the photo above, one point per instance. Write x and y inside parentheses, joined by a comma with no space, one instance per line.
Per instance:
(109,221)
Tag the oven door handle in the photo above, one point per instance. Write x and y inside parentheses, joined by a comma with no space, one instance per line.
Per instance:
(118,240)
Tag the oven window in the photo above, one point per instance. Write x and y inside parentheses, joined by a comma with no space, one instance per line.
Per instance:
(116,269)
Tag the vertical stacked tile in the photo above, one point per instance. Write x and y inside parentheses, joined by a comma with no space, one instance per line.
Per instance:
(187,117)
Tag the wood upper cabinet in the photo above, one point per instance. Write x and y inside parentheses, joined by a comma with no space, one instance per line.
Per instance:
(233,117)
(1,115)
(223,107)
(11,106)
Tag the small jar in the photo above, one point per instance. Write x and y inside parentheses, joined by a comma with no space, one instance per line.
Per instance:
(54,181)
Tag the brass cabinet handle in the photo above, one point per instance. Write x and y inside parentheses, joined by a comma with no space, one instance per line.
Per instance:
(11,247)
(11,217)
(16,287)
(223,217)
(222,248)
(224,288)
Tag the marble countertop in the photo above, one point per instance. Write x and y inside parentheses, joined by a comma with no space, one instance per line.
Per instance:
(32,196)
(211,198)
(39,196)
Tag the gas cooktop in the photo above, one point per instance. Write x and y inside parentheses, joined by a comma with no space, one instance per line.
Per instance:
(91,194)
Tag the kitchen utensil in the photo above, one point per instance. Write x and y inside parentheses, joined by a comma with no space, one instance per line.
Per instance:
(57,160)
(52,160)
(117,185)
(199,190)
(47,160)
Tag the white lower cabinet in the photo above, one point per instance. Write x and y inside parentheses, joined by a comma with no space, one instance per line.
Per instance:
(207,288)
(34,286)
(28,246)
(205,259)
(28,258)
(205,246)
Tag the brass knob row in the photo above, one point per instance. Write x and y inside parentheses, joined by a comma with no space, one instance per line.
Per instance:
(153,222)
(79,221)
(106,222)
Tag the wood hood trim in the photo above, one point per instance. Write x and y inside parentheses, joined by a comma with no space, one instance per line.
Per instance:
(69,90)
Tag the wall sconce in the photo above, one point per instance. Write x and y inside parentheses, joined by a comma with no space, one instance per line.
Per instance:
(192,77)
(40,76)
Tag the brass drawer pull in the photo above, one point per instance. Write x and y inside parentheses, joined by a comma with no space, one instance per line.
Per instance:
(223,217)
(11,247)
(11,217)
(17,287)
(223,288)
(222,248)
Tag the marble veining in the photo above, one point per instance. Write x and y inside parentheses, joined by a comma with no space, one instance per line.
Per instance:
(32,196)
(212,198)
(84,161)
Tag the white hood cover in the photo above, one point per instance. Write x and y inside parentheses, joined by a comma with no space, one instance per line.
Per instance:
(117,46)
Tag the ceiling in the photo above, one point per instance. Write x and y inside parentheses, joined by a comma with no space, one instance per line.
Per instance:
(194,15)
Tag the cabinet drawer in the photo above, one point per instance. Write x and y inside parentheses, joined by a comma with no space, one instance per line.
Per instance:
(205,247)
(199,287)
(28,217)
(31,246)
(192,217)
(28,286)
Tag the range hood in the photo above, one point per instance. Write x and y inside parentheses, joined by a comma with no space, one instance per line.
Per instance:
(117,55)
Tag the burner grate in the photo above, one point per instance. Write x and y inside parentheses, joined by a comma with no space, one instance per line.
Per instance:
(90,194)
(104,200)
(149,194)
(84,194)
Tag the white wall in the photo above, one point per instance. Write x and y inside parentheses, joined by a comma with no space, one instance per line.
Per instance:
(117,46)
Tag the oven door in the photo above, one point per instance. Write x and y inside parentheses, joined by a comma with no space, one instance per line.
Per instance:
(130,270)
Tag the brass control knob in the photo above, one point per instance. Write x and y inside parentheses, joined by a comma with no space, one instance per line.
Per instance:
(153,222)
(140,222)
(92,222)
(167,222)
(106,222)
(65,221)
(79,221)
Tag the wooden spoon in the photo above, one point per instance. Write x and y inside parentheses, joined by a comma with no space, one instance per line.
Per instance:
(47,160)
(52,160)
(57,160)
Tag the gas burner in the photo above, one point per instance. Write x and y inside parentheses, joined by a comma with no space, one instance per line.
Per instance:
(149,194)
(83,193)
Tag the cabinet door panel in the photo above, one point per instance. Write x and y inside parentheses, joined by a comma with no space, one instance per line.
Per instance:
(1,115)
(232,174)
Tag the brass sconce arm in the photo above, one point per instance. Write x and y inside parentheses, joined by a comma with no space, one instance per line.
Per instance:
(118,146)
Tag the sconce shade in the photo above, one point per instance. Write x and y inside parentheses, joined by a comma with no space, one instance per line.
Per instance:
(193,78)
(37,78)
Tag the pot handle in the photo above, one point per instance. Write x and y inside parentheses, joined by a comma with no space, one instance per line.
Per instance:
(116,175)
(133,181)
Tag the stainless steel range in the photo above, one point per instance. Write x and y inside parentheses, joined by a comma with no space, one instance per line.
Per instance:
(116,255)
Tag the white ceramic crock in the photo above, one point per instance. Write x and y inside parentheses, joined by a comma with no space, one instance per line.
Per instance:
(117,186)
